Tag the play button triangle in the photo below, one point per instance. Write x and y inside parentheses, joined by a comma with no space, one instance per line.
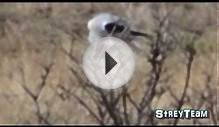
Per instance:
(109,63)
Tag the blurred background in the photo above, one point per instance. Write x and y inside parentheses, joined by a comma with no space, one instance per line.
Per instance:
(41,52)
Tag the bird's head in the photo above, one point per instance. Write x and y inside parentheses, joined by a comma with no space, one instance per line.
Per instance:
(107,24)
(102,22)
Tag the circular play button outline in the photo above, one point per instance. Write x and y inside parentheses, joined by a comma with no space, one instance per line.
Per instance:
(94,63)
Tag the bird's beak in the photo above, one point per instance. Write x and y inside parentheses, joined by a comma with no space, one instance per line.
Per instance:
(135,33)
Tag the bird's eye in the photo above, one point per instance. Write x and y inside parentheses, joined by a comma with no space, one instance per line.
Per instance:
(109,27)
(119,28)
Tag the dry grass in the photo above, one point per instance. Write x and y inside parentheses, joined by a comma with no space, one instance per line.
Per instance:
(32,36)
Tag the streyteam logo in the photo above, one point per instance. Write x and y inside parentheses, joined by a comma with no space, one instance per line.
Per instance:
(181,114)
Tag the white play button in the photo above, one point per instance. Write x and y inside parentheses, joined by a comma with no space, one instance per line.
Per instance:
(109,64)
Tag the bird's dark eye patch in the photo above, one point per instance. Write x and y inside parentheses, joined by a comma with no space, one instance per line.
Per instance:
(119,28)
(109,27)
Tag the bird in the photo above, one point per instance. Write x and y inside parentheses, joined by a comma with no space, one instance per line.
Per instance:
(107,24)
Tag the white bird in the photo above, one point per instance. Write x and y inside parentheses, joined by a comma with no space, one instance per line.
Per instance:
(106,24)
